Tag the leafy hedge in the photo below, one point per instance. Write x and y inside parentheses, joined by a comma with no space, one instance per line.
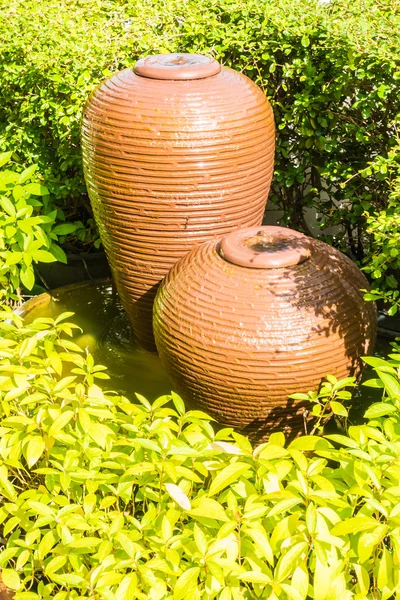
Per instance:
(330,69)
(110,499)
(28,230)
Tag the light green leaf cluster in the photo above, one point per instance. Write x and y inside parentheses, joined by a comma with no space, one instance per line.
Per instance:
(328,401)
(383,226)
(28,233)
(113,499)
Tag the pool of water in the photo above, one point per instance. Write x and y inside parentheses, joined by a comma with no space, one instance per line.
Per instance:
(107,335)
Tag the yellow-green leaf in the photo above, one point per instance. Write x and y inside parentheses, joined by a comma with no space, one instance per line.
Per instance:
(288,562)
(34,450)
(178,495)
(186,584)
(208,508)
(60,422)
(255,577)
(228,475)
(11,579)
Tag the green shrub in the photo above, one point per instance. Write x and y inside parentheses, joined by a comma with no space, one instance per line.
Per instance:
(105,498)
(383,227)
(331,71)
(28,231)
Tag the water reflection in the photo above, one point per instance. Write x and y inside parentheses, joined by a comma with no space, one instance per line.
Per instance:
(108,336)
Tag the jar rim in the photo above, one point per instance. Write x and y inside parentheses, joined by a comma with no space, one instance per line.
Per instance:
(265,247)
(177,66)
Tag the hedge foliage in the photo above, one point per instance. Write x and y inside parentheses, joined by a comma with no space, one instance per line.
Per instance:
(331,70)
(104,497)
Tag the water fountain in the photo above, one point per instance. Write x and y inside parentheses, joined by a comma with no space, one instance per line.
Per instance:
(179,152)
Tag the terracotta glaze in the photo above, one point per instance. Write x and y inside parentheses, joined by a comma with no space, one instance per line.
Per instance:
(176,152)
(243,322)
(5,592)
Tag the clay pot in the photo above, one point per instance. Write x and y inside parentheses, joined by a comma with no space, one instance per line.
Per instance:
(242,323)
(5,592)
(175,152)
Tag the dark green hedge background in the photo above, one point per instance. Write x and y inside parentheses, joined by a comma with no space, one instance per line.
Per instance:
(331,71)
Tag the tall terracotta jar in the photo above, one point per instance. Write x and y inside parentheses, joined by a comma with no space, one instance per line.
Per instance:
(175,152)
(242,323)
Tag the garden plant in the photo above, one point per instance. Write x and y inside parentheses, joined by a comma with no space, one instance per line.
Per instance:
(114,498)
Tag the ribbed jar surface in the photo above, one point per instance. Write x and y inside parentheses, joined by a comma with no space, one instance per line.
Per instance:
(171,164)
(236,341)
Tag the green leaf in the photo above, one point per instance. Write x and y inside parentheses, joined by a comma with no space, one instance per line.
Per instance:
(27,277)
(61,421)
(261,540)
(284,505)
(374,361)
(392,385)
(34,450)
(343,440)
(300,396)
(43,256)
(385,569)
(69,579)
(338,409)
(208,508)
(6,487)
(6,554)
(11,579)
(288,562)
(255,577)
(300,581)
(178,495)
(58,253)
(374,383)
(8,206)
(354,525)
(41,509)
(12,258)
(46,544)
(227,476)
(309,442)
(27,174)
(55,564)
(380,409)
(271,452)
(5,157)
(85,542)
(178,403)
(64,228)
(186,584)
(292,592)
(305,41)
(200,539)
(143,401)
(127,588)
(36,189)
(27,347)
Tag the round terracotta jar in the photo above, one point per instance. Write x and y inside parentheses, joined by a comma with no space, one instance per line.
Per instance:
(243,322)
(170,149)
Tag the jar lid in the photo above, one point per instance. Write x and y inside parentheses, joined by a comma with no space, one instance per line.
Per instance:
(265,247)
(177,66)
